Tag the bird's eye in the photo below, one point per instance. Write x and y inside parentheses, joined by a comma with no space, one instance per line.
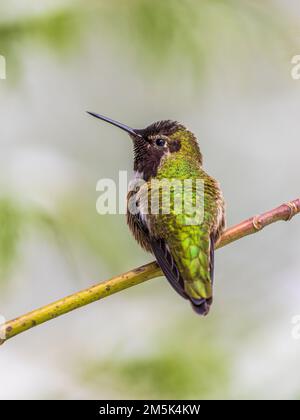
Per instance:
(160,142)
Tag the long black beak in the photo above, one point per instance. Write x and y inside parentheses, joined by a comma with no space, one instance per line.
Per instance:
(124,127)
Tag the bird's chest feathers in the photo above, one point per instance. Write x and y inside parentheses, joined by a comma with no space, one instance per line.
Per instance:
(177,167)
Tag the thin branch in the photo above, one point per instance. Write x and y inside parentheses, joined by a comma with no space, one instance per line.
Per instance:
(136,276)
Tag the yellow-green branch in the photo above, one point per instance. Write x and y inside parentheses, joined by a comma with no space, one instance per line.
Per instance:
(136,276)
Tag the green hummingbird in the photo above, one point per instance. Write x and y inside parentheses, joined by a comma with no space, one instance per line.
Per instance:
(167,151)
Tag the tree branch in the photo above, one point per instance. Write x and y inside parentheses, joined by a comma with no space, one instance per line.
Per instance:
(136,276)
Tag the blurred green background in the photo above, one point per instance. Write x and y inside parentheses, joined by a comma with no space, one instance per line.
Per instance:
(222,67)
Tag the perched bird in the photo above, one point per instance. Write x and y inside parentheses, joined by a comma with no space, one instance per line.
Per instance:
(182,243)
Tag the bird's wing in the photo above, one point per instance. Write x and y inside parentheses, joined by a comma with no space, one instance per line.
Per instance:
(167,264)
(170,269)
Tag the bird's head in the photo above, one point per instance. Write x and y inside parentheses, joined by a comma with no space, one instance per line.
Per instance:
(159,141)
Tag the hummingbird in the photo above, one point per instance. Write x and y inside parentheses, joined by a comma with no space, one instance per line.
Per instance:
(164,151)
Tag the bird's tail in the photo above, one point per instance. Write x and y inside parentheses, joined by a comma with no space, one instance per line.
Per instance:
(201,306)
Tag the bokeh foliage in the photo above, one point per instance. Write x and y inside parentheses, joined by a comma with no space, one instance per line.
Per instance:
(190,364)
(174,35)
(58,30)
(159,32)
